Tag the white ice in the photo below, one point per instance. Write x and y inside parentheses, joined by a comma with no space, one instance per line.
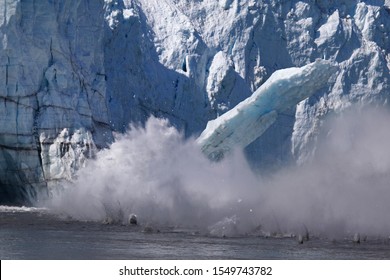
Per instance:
(252,117)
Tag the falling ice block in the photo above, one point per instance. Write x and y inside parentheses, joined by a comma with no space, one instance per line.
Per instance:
(247,121)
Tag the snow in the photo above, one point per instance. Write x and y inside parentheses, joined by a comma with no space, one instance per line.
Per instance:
(252,117)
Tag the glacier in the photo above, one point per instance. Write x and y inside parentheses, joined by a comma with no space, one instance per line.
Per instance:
(75,72)
(248,120)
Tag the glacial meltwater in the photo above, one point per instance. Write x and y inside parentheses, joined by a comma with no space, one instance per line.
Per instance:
(30,233)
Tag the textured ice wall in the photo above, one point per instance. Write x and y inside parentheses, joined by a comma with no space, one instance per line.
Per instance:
(52,79)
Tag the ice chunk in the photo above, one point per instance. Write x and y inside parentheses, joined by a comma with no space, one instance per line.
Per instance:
(252,117)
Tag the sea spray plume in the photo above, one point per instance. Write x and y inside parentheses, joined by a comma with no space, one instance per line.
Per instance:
(345,188)
(247,121)
(156,174)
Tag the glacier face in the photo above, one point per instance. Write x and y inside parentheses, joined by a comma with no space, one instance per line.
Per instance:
(74,71)
(52,69)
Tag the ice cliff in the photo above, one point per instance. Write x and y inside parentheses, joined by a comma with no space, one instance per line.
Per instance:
(74,71)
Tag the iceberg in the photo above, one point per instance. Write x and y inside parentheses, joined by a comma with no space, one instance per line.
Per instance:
(247,121)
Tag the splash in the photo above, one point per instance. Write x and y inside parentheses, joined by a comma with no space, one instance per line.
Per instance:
(164,179)
(161,177)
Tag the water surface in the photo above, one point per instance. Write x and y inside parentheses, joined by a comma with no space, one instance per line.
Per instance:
(27,233)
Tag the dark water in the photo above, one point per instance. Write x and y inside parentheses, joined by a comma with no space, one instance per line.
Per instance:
(33,234)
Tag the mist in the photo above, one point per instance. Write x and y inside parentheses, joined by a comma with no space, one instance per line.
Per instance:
(163,178)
